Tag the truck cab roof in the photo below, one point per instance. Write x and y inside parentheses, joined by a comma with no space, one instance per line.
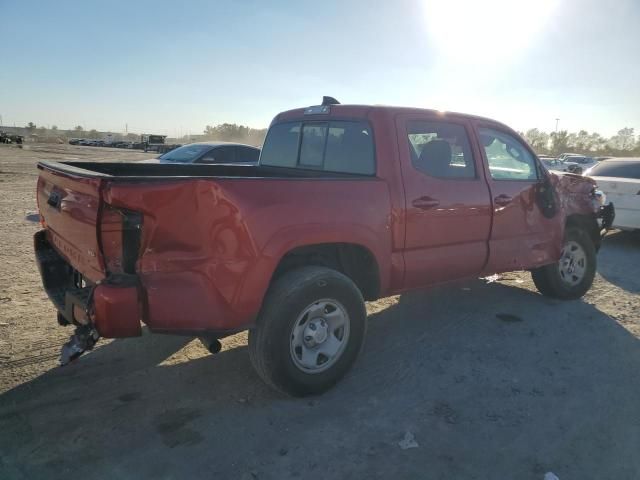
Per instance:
(363,111)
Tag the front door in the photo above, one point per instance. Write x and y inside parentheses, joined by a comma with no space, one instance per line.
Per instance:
(521,236)
(448,205)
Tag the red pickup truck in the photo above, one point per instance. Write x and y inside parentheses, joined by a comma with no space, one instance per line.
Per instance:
(348,203)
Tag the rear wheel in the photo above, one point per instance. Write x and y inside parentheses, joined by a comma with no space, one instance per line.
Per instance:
(572,276)
(310,331)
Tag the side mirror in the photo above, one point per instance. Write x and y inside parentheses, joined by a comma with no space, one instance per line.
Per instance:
(545,197)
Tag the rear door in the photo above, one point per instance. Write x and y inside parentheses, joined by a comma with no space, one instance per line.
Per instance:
(70,206)
(521,236)
(448,207)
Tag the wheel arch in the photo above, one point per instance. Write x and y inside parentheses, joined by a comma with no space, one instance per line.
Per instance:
(589,224)
(354,260)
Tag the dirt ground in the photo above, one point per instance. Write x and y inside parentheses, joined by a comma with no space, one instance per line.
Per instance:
(550,387)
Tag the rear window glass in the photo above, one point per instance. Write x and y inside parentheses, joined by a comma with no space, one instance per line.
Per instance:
(312,145)
(338,146)
(280,148)
(611,168)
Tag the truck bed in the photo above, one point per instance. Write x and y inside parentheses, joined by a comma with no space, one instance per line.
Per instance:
(145,171)
(195,246)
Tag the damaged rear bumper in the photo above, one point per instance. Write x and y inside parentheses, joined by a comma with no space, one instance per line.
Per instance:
(111,307)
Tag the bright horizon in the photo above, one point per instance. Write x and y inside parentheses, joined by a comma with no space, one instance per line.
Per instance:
(171,68)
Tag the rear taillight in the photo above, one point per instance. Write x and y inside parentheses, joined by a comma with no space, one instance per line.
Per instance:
(39,186)
(120,231)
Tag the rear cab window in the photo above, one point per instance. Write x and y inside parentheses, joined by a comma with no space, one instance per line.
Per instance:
(340,146)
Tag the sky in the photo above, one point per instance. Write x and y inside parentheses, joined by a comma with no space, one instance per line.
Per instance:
(174,67)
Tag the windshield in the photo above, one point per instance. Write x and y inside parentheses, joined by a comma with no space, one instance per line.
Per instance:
(185,154)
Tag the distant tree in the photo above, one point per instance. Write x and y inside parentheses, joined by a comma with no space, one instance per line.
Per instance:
(559,141)
(538,140)
(93,133)
(624,140)
(231,132)
(132,137)
(582,142)
(54,128)
(31,127)
(596,141)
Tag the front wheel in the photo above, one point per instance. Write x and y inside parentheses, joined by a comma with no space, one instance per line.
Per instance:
(572,276)
(310,331)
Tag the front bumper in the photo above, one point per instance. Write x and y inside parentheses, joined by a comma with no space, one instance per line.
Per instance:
(112,307)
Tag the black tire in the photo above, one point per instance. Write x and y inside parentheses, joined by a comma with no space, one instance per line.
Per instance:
(548,279)
(287,298)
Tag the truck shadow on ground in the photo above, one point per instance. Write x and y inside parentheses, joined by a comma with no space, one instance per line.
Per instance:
(619,255)
(493,380)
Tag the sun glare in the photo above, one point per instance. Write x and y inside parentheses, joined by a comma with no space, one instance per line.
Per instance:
(484,31)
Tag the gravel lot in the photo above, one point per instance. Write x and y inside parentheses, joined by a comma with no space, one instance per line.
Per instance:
(550,386)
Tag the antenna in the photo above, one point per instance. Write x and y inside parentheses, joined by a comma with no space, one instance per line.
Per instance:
(329,101)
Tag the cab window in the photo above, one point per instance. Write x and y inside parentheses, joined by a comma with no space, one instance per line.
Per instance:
(440,149)
(507,157)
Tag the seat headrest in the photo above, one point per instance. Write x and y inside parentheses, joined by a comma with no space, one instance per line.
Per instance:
(435,157)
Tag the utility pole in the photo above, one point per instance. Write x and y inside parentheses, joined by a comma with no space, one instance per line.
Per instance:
(557,120)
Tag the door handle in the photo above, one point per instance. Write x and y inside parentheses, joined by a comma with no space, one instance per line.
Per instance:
(503,200)
(425,203)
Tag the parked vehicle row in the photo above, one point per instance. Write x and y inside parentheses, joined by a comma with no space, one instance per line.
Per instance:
(570,162)
(557,165)
(11,138)
(90,142)
(348,203)
(143,144)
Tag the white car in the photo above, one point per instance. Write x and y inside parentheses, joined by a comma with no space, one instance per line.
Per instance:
(619,180)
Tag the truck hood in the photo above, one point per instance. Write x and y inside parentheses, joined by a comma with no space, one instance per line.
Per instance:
(571,182)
